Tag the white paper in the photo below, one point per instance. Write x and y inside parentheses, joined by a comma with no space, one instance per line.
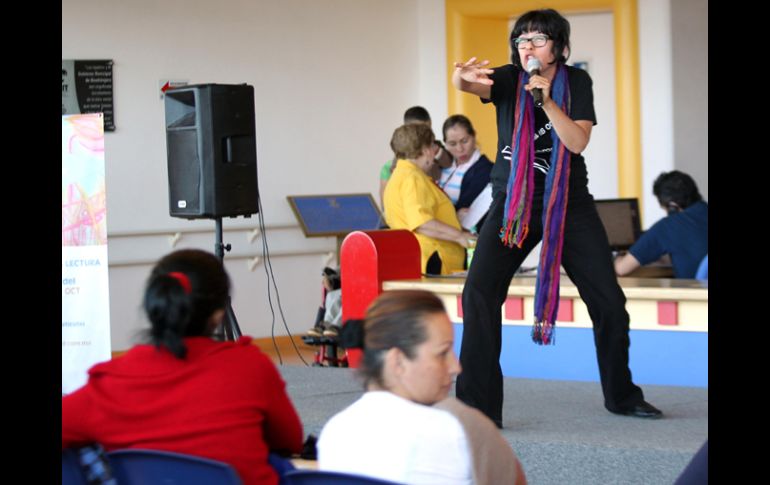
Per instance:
(478,208)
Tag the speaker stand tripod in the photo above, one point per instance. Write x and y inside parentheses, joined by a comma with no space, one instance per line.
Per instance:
(229,329)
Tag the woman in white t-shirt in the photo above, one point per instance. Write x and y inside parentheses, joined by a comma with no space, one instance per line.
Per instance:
(393,432)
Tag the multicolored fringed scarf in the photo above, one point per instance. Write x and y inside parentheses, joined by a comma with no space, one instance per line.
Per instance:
(518,202)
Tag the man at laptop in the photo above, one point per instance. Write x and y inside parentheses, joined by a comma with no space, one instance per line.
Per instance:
(682,234)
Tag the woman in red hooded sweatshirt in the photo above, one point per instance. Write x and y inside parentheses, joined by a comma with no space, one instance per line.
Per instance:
(185,392)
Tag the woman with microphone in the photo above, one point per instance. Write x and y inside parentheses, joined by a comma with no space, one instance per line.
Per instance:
(540,192)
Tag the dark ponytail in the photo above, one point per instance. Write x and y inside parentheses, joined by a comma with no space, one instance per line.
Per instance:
(184,289)
(168,308)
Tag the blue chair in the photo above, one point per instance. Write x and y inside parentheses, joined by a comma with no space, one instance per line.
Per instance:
(702,273)
(71,473)
(140,467)
(318,477)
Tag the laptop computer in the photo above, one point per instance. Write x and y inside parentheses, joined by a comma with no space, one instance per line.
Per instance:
(621,221)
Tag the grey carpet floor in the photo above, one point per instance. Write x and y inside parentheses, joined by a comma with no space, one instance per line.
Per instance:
(559,429)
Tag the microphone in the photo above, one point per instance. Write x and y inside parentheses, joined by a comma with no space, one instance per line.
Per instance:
(533,68)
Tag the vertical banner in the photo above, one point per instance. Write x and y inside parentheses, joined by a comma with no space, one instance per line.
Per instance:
(85,310)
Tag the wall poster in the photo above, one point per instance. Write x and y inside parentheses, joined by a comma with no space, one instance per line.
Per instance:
(85,309)
(86,87)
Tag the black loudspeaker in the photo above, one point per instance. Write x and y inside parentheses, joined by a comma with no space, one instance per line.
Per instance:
(212,151)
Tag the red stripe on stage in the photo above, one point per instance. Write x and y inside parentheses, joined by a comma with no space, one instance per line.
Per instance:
(566,310)
(514,308)
(668,313)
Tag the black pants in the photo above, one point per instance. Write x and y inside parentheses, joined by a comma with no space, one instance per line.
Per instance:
(586,258)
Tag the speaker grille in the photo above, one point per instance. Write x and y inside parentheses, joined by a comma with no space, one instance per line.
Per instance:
(184,173)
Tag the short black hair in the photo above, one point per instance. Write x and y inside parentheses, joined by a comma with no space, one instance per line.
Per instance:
(549,22)
(676,187)
(416,113)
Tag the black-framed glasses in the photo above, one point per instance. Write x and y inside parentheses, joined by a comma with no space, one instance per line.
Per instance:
(537,41)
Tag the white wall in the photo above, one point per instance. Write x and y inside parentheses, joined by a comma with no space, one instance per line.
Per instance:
(433,69)
(592,40)
(656,100)
(689,56)
(673,45)
(331,80)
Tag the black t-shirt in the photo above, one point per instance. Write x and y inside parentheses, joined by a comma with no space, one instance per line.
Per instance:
(504,92)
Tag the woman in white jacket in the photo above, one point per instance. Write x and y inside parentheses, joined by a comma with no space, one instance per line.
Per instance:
(393,431)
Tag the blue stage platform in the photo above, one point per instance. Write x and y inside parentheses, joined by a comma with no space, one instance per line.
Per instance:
(656,357)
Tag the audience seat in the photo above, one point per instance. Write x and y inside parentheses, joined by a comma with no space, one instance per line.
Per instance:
(318,477)
(71,472)
(140,467)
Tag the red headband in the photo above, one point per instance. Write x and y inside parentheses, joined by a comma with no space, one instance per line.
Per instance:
(183,280)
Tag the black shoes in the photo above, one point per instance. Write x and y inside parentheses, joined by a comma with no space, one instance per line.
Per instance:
(643,410)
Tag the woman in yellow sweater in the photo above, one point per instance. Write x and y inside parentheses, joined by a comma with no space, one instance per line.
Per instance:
(414,202)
